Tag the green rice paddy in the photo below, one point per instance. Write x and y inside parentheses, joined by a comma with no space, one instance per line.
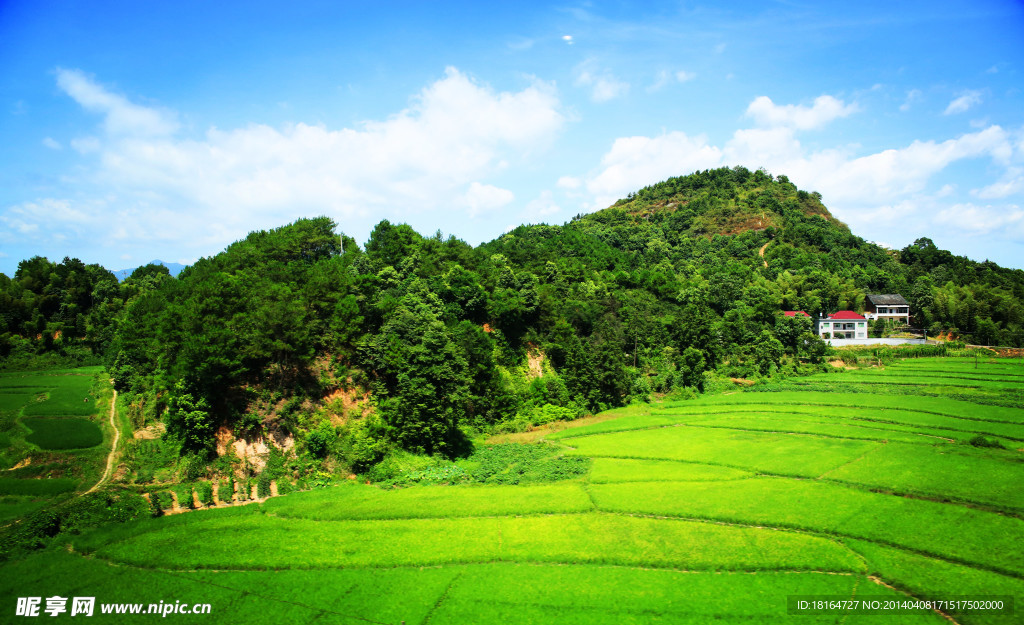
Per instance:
(69,433)
(49,422)
(710,510)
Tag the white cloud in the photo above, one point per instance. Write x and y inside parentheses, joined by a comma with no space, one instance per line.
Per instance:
(912,96)
(86,145)
(567,39)
(635,162)
(974,219)
(569,182)
(1012,183)
(762,147)
(966,100)
(664,78)
(121,116)
(864,190)
(541,207)
(481,198)
(52,143)
(825,109)
(156,184)
(603,85)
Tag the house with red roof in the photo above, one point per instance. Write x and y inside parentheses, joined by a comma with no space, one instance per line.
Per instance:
(795,313)
(844,324)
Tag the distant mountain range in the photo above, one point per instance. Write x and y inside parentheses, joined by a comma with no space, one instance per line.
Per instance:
(174,268)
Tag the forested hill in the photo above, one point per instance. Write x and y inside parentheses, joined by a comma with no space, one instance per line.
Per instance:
(676,286)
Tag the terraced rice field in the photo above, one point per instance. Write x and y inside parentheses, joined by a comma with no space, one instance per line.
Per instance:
(712,510)
(46,412)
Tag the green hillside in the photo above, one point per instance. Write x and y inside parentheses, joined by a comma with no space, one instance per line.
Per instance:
(417,343)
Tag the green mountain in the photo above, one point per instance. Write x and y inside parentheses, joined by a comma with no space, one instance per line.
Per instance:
(412,340)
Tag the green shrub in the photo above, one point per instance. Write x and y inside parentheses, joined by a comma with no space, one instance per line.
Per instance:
(226,490)
(284,487)
(144,475)
(321,440)
(192,467)
(263,485)
(981,441)
(154,505)
(244,490)
(165,500)
(184,494)
(205,492)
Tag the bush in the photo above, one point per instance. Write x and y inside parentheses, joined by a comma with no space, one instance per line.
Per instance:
(72,517)
(154,505)
(164,499)
(184,493)
(981,441)
(321,439)
(226,490)
(192,467)
(263,485)
(205,492)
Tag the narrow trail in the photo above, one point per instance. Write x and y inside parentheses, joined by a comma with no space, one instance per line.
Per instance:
(760,253)
(113,447)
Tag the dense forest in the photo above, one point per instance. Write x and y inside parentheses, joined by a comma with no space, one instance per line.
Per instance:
(677,286)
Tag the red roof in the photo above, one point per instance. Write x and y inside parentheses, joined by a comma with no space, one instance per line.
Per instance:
(846,314)
(794,313)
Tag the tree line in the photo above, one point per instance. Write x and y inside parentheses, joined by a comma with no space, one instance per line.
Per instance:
(677,285)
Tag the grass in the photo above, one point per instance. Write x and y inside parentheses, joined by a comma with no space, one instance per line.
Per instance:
(12,401)
(70,433)
(615,470)
(13,507)
(983,477)
(580,594)
(959,409)
(933,579)
(257,541)
(780,454)
(707,510)
(978,537)
(358,501)
(69,395)
(15,486)
(498,592)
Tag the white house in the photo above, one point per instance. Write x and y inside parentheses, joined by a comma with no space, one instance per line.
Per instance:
(887,307)
(844,324)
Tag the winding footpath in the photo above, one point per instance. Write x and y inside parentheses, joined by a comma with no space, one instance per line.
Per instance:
(113,447)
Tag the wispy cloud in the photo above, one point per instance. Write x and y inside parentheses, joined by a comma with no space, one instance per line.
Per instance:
(603,85)
(665,78)
(912,96)
(963,102)
(120,116)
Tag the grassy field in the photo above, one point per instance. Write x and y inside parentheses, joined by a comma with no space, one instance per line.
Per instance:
(56,433)
(710,510)
(52,428)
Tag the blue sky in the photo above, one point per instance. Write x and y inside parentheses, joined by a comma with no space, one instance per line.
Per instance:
(131,131)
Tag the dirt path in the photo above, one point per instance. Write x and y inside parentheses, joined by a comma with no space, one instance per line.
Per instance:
(113,447)
(760,253)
